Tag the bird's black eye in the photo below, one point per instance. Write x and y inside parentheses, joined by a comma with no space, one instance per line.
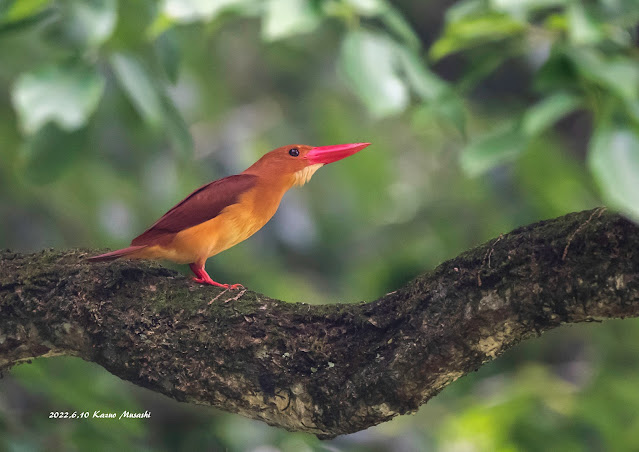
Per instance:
(294,152)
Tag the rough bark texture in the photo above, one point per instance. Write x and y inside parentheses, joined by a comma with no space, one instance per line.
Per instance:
(327,370)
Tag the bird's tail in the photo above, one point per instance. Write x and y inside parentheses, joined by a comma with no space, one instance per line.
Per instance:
(124,252)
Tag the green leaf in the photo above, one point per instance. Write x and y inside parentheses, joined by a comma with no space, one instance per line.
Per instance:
(160,24)
(425,83)
(448,108)
(176,128)
(545,113)
(367,7)
(614,160)
(396,23)
(558,72)
(150,98)
(441,100)
(168,54)
(618,74)
(27,22)
(471,31)
(64,94)
(632,107)
(491,150)
(50,152)
(451,107)
(480,64)
(284,18)
(94,20)
(582,27)
(369,62)
(389,16)
(22,9)
(521,8)
(465,8)
(186,11)
(139,86)
(556,23)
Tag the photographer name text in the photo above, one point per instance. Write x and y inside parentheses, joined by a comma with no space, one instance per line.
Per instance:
(98,415)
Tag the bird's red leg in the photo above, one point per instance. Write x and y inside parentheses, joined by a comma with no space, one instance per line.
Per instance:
(203,277)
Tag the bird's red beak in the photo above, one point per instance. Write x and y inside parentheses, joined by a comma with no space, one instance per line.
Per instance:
(330,154)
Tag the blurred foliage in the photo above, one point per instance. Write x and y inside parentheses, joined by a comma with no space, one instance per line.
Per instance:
(484,115)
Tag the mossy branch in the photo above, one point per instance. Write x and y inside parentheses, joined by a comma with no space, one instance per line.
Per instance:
(327,370)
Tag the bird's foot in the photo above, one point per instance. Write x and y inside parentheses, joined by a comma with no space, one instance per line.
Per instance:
(202,277)
(204,280)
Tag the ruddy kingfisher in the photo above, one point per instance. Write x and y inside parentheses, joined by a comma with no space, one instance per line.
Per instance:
(227,211)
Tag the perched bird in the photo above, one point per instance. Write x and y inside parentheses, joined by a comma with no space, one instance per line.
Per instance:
(227,211)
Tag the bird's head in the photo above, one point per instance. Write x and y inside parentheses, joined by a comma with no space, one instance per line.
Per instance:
(298,162)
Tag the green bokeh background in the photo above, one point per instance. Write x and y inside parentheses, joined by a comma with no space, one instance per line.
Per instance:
(484,116)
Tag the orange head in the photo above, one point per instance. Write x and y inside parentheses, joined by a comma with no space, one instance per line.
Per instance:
(298,162)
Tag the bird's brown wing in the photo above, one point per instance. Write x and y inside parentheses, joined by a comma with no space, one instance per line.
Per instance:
(202,205)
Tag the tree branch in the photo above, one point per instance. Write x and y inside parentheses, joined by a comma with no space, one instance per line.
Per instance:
(327,370)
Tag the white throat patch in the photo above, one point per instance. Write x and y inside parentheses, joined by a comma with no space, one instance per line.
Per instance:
(304,175)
